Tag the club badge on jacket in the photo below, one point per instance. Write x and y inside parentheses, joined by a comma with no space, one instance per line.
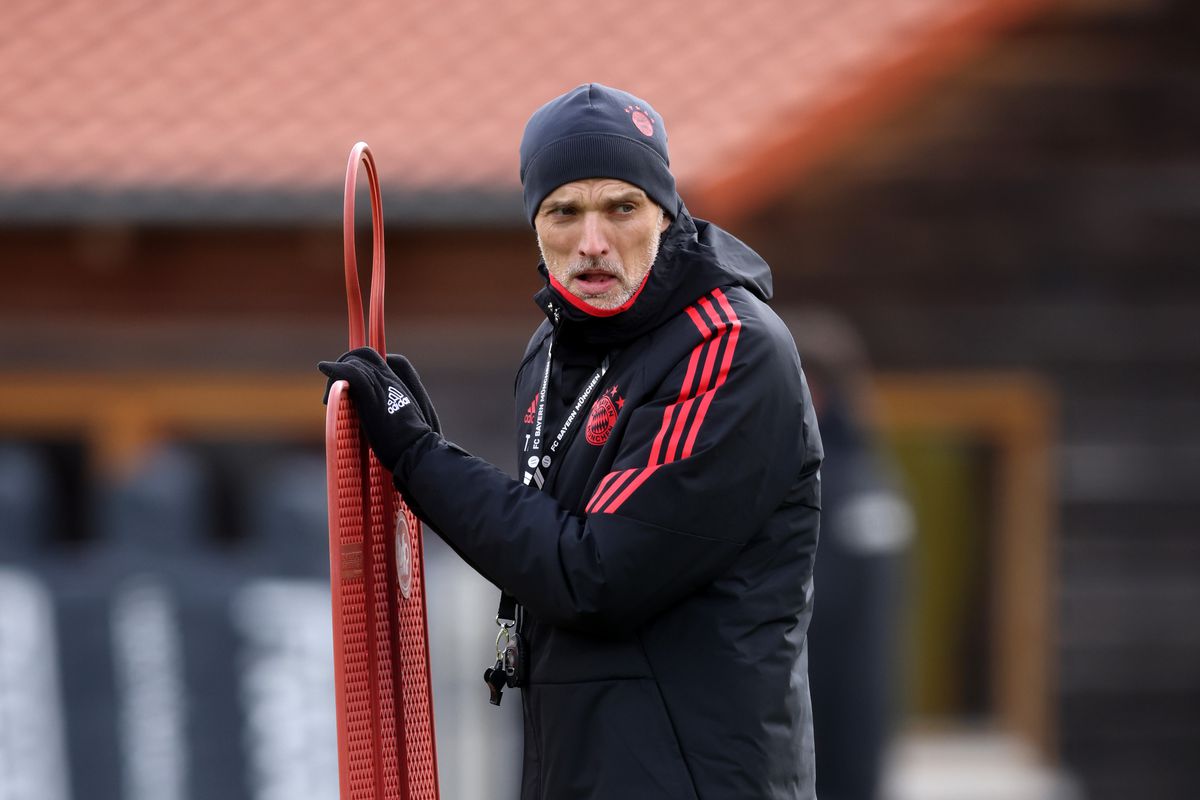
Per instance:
(603,417)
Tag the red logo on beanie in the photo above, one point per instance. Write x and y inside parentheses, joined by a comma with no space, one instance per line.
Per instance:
(603,417)
(641,119)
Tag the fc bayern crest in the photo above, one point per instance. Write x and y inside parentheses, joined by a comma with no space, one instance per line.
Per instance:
(641,120)
(603,417)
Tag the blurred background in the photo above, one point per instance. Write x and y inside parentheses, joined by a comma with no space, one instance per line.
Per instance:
(984,221)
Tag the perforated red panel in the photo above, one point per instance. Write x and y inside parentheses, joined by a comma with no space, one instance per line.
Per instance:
(417,702)
(381,655)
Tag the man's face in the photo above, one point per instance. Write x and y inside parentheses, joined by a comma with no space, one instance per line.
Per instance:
(599,237)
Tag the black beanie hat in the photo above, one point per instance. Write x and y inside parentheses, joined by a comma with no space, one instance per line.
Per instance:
(594,131)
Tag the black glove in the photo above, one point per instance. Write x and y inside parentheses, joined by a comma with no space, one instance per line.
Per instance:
(407,373)
(390,412)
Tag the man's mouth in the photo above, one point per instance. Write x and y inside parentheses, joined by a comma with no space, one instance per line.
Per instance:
(595,281)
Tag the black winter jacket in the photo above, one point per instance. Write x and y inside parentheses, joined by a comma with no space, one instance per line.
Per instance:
(665,571)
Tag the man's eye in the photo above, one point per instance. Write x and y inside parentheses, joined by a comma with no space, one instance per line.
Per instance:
(563,211)
(626,208)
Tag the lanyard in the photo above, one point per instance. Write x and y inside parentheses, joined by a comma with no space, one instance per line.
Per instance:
(511,656)
(538,463)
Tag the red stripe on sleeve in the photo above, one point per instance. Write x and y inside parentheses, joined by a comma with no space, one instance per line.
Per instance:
(686,386)
(710,360)
(712,312)
(678,432)
(706,401)
(685,389)
(662,431)
(698,321)
(713,347)
(600,488)
(613,487)
(695,385)
(733,336)
(630,489)
(691,440)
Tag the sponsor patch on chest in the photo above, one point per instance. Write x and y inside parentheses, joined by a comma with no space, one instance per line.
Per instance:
(603,417)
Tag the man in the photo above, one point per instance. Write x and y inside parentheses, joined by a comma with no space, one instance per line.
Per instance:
(660,544)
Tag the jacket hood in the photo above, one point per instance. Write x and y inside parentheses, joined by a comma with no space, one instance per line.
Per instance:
(694,257)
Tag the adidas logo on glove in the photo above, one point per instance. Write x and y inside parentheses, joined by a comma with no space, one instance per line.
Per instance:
(396,400)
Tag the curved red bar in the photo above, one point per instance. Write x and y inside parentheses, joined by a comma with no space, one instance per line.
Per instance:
(361,153)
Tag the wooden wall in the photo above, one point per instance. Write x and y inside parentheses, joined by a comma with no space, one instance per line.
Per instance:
(1041,209)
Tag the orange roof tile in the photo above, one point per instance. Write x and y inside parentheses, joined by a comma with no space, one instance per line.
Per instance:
(192,97)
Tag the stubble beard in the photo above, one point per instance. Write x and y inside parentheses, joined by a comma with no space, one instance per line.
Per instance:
(628,283)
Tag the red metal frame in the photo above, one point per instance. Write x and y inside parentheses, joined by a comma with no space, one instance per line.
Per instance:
(380,631)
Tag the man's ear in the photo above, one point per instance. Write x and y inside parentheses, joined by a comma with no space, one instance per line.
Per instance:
(665,223)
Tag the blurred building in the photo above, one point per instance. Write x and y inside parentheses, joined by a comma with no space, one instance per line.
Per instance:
(1002,195)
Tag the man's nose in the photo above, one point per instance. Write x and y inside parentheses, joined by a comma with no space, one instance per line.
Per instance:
(593,242)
